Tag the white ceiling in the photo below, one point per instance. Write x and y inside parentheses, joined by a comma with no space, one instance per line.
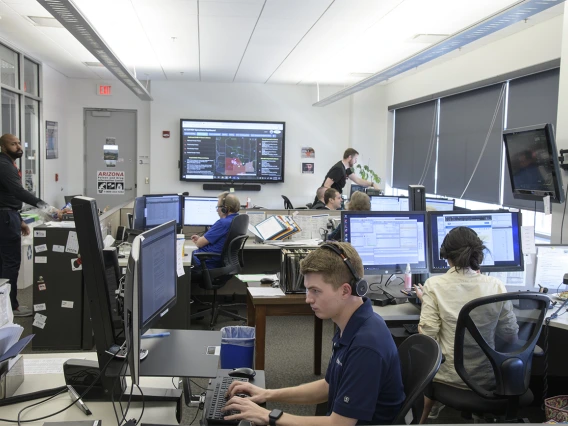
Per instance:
(254,41)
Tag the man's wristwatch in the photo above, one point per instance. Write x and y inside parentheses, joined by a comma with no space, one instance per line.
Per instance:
(274,415)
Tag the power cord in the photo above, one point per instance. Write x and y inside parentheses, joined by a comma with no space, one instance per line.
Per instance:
(19,422)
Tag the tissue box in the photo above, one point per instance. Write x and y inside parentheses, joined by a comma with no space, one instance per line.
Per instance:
(11,376)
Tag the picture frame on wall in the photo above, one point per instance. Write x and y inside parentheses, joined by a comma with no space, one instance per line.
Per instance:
(51,140)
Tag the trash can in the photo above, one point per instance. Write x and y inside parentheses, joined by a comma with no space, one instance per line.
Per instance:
(237,347)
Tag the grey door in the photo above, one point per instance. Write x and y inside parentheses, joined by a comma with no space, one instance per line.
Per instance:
(110,156)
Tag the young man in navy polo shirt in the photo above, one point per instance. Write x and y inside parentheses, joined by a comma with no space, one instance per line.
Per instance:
(363,382)
(228,206)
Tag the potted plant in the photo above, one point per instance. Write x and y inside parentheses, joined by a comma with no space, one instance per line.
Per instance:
(367,173)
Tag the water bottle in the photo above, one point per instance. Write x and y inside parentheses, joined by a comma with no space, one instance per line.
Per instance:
(407,278)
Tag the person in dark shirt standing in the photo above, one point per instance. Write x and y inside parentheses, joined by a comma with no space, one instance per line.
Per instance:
(337,176)
(12,227)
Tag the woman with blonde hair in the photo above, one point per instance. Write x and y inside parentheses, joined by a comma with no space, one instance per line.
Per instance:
(359,202)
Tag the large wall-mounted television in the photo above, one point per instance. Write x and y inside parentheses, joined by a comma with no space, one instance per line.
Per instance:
(232,151)
(533,163)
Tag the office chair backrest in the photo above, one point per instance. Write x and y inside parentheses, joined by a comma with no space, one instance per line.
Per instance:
(420,358)
(496,335)
(287,203)
(232,253)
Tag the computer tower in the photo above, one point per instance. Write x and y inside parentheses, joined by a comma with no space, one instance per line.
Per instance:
(416,198)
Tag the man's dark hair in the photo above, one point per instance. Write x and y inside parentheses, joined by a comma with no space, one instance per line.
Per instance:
(463,248)
(330,194)
(348,152)
(320,192)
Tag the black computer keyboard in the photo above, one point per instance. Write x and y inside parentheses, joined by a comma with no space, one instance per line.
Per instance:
(213,413)
(411,328)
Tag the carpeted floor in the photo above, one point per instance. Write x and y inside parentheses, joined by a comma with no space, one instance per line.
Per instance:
(289,360)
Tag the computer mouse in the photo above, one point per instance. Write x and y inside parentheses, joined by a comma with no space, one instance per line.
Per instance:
(244,372)
(266,280)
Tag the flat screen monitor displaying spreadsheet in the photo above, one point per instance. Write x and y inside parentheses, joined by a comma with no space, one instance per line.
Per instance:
(159,209)
(387,241)
(440,204)
(380,203)
(200,211)
(500,232)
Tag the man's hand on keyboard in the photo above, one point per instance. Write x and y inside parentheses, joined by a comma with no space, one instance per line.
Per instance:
(247,410)
(257,394)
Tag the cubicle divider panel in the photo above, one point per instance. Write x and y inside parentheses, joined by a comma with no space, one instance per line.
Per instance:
(60,320)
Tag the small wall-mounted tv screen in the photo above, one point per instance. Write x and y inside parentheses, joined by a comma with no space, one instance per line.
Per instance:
(232,151)
(533,163)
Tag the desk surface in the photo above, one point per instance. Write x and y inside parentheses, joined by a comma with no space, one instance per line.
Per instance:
(160,413)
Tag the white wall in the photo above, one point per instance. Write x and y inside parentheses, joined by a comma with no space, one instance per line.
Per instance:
(82,94)
(325,129)
(368,123)
(562,137)
(535,45)
(55,107)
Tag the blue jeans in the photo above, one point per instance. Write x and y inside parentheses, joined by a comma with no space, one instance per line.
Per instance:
(11,250)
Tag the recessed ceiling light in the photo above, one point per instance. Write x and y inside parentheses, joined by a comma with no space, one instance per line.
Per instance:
(42,21)
(94,64)
(428,38)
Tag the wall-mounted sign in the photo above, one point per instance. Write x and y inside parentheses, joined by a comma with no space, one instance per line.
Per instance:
(165,134)
(103,90)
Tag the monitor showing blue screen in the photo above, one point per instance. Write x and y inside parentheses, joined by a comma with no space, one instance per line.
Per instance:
(159,209)
(387,241)
(500,232)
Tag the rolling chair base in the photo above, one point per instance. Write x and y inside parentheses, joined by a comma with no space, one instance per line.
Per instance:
(217,310)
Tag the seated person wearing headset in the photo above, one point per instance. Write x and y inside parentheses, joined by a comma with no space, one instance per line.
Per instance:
(359,202)
(363,383)
(442,299)
(228,206)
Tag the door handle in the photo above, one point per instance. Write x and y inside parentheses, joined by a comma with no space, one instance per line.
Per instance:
(128,189)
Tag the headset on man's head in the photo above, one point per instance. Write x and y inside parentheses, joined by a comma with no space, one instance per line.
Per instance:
(359,286)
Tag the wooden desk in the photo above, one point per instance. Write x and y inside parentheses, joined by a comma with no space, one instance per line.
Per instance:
(258,308)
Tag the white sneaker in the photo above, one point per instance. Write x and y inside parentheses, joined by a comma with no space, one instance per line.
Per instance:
(435,411)
(22,311)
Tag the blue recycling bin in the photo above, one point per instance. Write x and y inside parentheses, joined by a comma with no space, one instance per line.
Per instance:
(237,347)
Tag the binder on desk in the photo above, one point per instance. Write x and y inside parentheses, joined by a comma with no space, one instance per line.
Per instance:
(291,279)
(275,228)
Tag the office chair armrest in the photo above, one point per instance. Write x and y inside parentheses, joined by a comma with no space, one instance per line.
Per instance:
(207,255)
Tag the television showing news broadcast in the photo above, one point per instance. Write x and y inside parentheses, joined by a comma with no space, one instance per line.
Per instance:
(231,151)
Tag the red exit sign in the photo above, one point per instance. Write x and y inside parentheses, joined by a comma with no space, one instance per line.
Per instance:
(103,90)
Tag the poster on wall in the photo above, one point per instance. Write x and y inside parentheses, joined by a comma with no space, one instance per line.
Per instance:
(308,168)
(110,183)
(308,152)
(110,153)
(51,140)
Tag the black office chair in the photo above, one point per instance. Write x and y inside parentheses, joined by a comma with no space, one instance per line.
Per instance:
(287,203)
(216,278)
(495,336)
(420,358)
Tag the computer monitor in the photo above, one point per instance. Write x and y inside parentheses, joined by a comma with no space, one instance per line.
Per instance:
(532,158)
(387,241)
(500,232)
(381,203)
(159,209)
(200,211)
(440,204)
(355,188)
(138,212)
(150,286)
